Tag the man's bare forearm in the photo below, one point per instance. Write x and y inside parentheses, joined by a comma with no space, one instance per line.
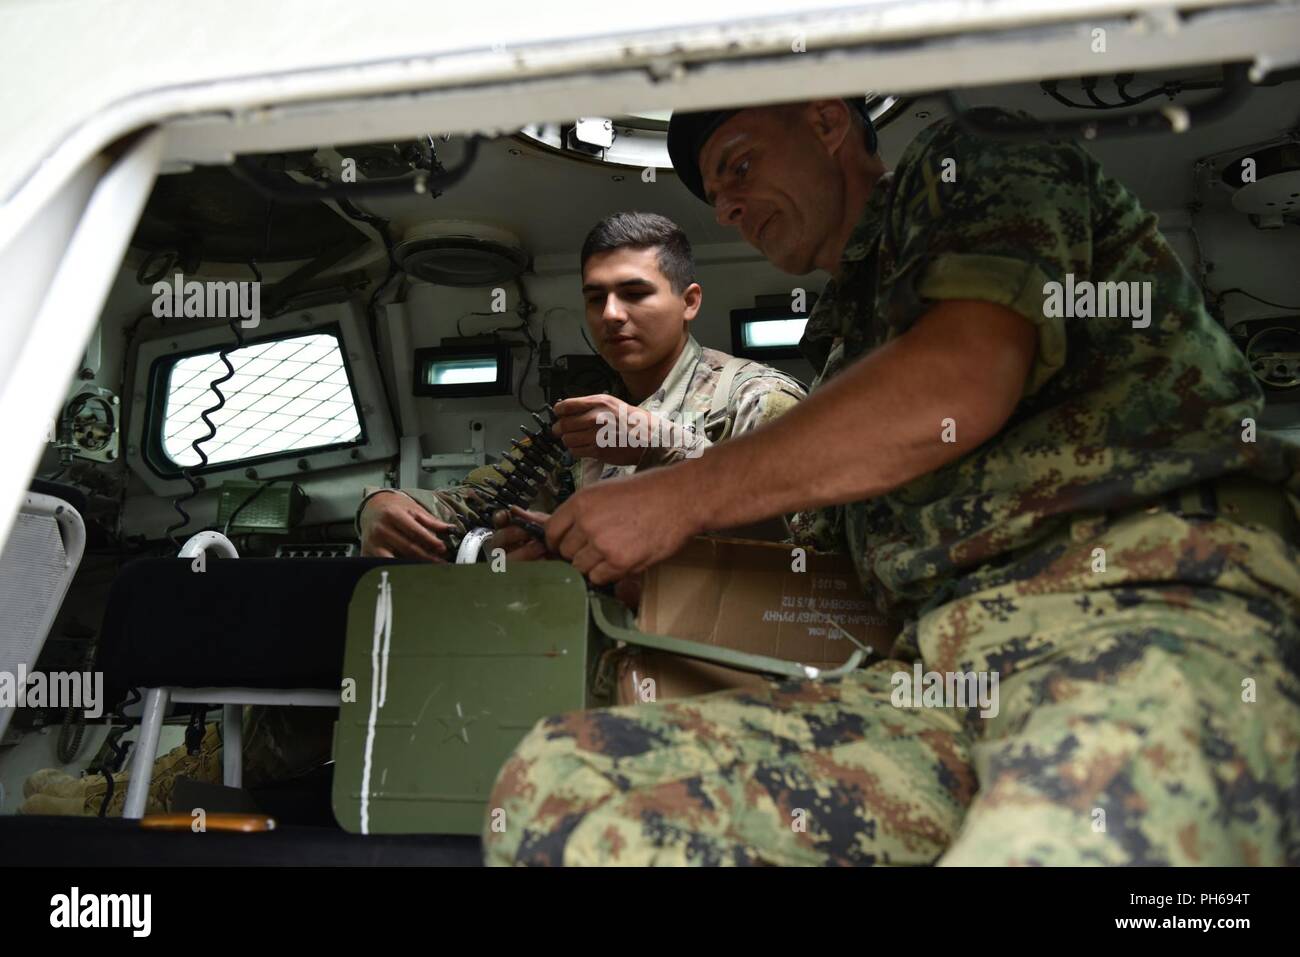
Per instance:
(876,426)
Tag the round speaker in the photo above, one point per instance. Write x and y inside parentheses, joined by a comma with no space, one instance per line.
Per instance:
(460,254)
(1267,183)
(1274,357)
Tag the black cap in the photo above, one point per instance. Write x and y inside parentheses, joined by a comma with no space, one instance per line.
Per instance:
(688,132)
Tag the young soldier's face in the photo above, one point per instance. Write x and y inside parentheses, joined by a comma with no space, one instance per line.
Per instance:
(635,318)
(770,176)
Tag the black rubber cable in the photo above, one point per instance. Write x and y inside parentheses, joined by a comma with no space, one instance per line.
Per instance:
(526,309)
(1171,89)
(246,502)
(1237,291)
(1233,91)
(284,190)
(381,226)
(178,503)
(119,751)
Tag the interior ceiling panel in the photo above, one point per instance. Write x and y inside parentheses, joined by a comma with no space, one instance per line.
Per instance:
(221,219)
(550,200)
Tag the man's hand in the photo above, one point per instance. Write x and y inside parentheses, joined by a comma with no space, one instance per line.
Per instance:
(622,526)
(395,526)
(582,420)
(518,544)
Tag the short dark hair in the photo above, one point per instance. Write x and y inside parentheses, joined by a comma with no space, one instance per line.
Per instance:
(645,231)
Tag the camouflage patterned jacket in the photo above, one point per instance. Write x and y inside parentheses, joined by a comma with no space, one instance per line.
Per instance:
(1117,410)
(686,402)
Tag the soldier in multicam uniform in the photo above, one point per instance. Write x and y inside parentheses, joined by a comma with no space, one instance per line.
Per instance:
(676,397)
(1081,506)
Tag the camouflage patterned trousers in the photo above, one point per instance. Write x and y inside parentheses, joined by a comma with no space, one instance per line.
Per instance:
(1148,713)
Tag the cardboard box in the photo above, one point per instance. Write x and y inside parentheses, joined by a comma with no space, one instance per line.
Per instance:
(645,675)
(758,597)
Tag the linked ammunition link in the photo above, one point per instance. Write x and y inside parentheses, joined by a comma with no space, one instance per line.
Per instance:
(533,462)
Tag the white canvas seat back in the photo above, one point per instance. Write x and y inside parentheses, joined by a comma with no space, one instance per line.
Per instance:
(36,567)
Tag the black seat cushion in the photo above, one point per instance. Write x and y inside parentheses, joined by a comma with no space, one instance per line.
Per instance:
(241,623)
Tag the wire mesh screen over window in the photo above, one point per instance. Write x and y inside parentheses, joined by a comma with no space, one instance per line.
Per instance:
(286,395)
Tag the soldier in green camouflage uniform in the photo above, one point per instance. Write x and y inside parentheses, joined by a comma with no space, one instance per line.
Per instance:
(1121,553)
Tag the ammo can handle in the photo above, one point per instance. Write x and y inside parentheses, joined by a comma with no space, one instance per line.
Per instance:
(605,609)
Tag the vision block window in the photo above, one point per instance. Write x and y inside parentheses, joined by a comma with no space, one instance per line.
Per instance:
(459,371)
(767,333)
(287,395)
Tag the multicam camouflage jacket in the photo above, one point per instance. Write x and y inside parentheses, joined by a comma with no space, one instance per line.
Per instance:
(685,403)
(1118,410)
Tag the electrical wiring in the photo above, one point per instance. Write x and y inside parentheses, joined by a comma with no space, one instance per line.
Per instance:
(196,485)
(72,729)
(546,317)
(461,332)
(246,502)
(526,309)
(1122,80)
(113,751)
(214,386)
(582,326)
(281,189)
(1237,291)
(1088,84)
(380,226)
(587,341)
(1232,92)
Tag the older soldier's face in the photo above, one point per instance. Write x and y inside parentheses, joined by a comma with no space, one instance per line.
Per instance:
(768,175)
